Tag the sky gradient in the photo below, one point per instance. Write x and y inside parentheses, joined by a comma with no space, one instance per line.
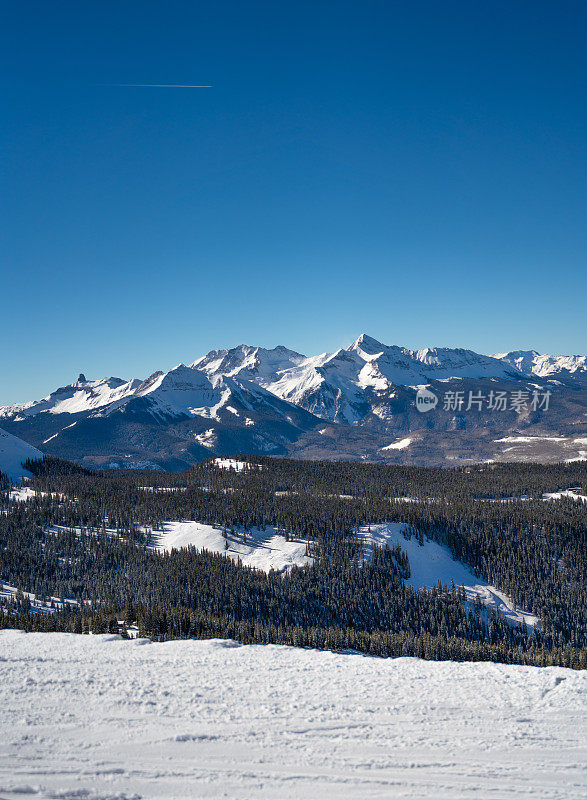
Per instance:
(413,170)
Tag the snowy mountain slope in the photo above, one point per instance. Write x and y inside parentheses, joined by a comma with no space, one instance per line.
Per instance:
(171,419)
(255,400)
(337,386)
(99,717)
(182,391)
(545,366)
(75,398)
(403,367)
(328,386)
(13,452)
(248,363)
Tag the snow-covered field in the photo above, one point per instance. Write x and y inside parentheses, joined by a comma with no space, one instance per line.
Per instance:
(263,550)
(87,717)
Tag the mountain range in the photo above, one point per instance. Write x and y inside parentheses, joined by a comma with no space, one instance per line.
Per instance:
(358,403)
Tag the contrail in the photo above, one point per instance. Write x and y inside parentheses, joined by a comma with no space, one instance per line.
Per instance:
(166,85)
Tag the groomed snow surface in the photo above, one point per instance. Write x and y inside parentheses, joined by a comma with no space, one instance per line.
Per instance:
(88,717)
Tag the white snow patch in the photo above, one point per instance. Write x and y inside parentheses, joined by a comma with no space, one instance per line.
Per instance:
(573,494)
(22,493)
(263,550)
(100,717)
(163,489)
(519,439)
(231,463)
(400,445)
(208,438)
(46,605)
(581,457)
(73,424)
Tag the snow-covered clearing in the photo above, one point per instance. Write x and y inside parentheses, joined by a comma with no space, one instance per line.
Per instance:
(163,489)
(431,563)
(581,457)
(22,493)
(573,494)
(8,595)
(263,550)
(96,717)
(516,439)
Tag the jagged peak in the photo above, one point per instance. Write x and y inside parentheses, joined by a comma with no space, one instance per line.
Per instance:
(368,345)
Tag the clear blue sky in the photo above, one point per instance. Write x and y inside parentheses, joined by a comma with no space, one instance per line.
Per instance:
(416,170)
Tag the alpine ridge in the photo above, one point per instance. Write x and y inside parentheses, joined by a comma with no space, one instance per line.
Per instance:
(358,402)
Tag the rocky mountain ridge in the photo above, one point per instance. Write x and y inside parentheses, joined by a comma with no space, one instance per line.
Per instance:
(358,402)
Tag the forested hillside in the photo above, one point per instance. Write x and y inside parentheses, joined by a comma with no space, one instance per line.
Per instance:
(86,536)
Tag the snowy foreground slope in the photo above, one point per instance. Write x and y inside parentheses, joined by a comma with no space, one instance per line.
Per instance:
(98,717)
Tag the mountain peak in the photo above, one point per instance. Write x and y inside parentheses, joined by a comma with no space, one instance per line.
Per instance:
(368,345)
(545,366)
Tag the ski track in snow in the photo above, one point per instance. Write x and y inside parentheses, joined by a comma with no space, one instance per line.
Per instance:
(96,717)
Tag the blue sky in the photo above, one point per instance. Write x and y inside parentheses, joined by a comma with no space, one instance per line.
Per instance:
(413,170)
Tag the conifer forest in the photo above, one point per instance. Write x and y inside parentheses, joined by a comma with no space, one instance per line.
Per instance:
(80,541)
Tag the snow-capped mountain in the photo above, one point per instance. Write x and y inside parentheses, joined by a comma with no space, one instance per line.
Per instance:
(337,386)
(357,402)
(13,452)
(77,397)
(171,419)
(544,366)
(249,363)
